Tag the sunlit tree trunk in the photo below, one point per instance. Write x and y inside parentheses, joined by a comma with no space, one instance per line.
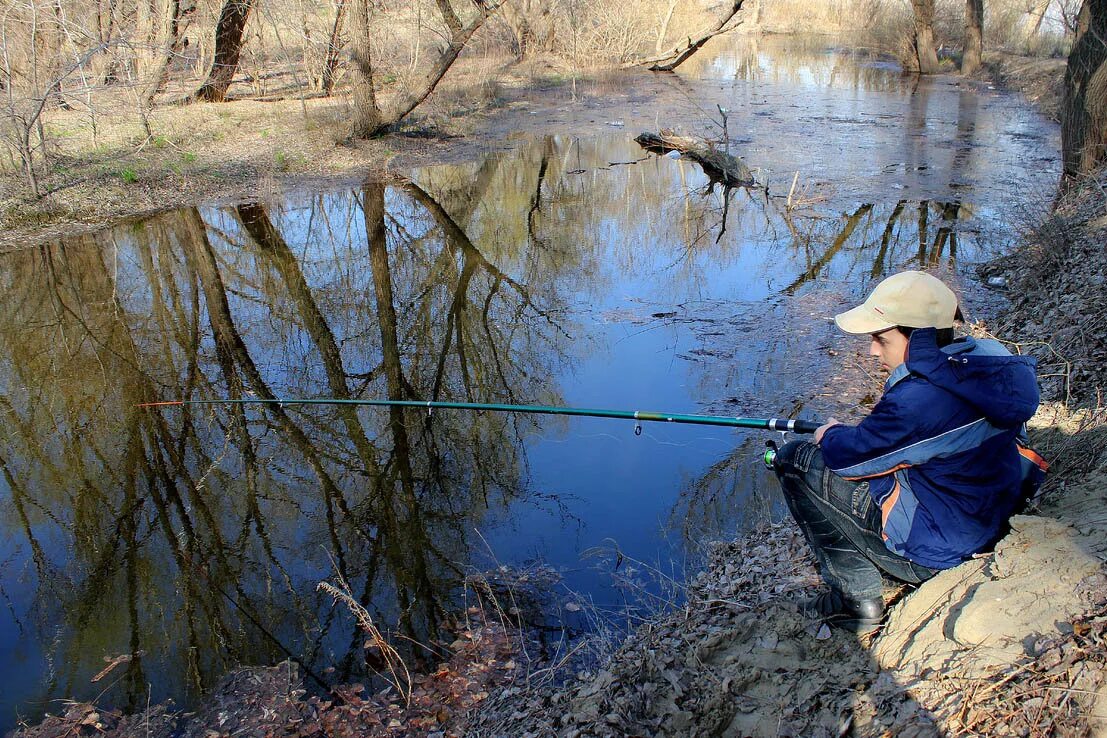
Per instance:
(925,53)
(1084,104)
(229,33)
(1035,14)
(516,16)
(164,46)
(974,37)
(145,29)
(334,49)
(367,113)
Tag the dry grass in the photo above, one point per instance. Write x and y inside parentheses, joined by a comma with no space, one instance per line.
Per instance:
(1058,290)
(398,674)
(887,26)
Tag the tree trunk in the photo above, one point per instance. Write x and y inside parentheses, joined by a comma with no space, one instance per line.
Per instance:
(662,32)
(369,120)
(367,113)
(924,36)
(164,47)
(1084,104)
(517,20)
(1034,17)
(229,33)
(334,49)
(974,37)
(449,16)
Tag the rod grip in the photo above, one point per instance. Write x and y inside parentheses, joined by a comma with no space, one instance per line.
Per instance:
(806,426)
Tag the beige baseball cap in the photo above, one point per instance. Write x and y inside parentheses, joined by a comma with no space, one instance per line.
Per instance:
(910,299)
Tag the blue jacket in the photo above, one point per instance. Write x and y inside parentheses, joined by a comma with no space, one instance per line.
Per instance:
(939,449)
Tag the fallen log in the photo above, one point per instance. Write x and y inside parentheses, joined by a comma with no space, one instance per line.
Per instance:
(718,165)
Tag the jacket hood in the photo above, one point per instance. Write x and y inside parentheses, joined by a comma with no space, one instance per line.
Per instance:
(981,372)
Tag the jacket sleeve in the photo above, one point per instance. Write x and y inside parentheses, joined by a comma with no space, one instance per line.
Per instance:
(876,446)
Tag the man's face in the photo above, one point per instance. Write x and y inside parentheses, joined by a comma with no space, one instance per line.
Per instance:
(890,347)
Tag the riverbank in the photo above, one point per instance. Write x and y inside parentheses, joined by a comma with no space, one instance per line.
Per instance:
(122,165)
(1039,79)
(116,167)
(1009,643)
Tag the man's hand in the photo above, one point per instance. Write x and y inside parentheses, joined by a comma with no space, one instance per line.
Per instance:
(822,429)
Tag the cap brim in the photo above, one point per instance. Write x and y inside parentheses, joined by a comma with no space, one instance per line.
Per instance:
(862,320)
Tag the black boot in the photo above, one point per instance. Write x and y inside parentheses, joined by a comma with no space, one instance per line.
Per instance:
(854,601)
(839,611)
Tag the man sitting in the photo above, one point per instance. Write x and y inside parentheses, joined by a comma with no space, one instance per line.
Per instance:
(932,475)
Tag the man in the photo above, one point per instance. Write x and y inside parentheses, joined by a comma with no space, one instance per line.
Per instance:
(931,476)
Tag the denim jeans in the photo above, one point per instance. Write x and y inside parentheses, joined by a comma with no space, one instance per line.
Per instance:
(841,524)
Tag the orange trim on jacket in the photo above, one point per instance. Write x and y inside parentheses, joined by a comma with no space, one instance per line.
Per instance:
(886,508)
(893,470)
(1034,456)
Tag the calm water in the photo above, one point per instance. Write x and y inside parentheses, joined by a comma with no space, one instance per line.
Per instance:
(565,271)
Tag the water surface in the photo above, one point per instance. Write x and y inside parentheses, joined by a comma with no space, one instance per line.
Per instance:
(577,271)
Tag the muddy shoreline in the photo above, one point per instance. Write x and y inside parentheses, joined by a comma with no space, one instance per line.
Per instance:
(248,151)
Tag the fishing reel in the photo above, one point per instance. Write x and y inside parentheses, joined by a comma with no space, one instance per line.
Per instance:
(769,457)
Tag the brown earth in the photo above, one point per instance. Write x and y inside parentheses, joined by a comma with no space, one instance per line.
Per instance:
(246,149)
(1037,79)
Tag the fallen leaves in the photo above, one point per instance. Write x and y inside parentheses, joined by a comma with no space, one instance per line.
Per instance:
(483,659)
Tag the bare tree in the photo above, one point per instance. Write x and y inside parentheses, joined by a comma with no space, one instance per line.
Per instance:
(24,113)
(164,46)
(1084,104)
(974,37)
(334,50)
(370,119)
(925,53)
(367,113)
(519,16)
(229,32)
(663,31)
(1070,13)
(1035,14)
(674,57)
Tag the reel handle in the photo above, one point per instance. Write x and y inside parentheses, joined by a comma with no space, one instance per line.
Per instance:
(769,457)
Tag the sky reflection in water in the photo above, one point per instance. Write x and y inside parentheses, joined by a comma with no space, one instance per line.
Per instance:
(567,271)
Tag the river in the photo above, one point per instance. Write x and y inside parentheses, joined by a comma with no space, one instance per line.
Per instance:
(574,270)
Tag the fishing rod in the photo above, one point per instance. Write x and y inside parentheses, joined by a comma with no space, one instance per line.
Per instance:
(771,424)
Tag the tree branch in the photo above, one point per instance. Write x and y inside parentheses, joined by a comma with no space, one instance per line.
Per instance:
(449,16)
(677,55)
(399,109)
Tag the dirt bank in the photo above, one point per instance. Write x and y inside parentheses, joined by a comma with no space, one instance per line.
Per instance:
(247,149)
(1038,79)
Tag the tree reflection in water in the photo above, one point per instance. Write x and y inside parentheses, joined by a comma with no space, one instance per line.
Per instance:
(195,537)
